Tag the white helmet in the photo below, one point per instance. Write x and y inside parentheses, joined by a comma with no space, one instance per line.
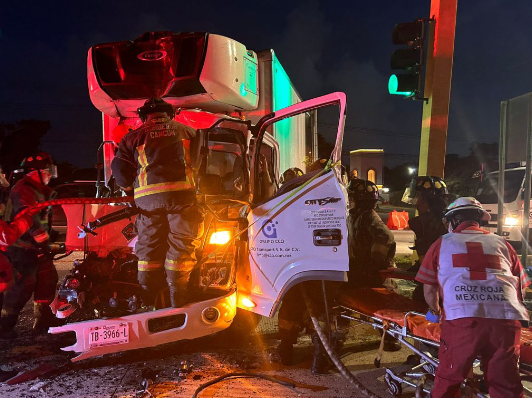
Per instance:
(466,203)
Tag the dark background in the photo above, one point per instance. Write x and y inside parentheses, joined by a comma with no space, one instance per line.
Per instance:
(324,46)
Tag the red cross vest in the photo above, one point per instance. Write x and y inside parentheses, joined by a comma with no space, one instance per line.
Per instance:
(476,279)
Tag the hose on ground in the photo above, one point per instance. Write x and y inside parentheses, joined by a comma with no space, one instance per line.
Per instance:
(332,354)
(235,375)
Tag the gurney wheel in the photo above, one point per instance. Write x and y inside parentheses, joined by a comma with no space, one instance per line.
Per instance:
(429,368)
(394,387)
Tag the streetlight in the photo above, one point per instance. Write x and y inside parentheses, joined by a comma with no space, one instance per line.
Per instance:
(411,170)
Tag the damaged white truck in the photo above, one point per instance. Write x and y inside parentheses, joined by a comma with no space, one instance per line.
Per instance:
(263,236)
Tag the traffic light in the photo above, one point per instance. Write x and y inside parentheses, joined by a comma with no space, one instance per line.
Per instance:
(409,59)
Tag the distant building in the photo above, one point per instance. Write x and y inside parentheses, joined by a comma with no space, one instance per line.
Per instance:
(367,164)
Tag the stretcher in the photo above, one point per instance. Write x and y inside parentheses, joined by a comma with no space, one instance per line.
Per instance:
(404,319)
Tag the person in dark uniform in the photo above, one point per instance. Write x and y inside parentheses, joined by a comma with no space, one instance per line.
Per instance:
(30,254)
(9,234)
(154,164)
(293,314)
(371,243)
(430,196)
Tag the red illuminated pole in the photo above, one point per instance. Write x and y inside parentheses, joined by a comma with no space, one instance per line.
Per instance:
(438,72)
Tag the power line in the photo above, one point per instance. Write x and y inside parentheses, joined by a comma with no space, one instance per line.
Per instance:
(388,133)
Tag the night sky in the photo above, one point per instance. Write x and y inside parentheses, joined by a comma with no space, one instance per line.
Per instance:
(324,46)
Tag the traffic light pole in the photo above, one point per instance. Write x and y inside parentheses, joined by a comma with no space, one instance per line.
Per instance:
(438,74)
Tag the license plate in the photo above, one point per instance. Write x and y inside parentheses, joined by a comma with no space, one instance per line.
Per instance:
(115,333)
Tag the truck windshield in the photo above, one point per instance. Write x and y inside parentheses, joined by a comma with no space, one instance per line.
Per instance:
(487,191)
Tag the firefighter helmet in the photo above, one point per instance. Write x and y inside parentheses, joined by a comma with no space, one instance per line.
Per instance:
(290,174)
(363,190)
(430,187)
(40,161)
(318,164)
(155,105)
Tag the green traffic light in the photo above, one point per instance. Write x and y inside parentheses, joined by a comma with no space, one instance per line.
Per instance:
(393,84)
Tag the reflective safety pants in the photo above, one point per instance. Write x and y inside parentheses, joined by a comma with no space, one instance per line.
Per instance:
(495,341)
(167,241)
(38,277)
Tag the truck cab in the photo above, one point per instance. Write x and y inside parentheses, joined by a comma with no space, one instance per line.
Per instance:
(263,235)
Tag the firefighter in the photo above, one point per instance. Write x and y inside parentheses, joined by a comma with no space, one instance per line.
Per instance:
(9,233)
(293,313)
(153,163)
(482,284)
(293,317)
(30,254)
(430,196)
(371,243)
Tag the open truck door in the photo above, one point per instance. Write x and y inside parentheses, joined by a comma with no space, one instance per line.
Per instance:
(297,228)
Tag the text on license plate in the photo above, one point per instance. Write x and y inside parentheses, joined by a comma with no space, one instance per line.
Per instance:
(114,333)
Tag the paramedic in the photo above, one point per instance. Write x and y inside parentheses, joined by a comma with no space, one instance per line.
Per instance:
(482,284)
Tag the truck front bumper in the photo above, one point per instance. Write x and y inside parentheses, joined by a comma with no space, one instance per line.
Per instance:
(152,328)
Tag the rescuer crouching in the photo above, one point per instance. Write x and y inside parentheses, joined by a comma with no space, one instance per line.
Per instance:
(470,259)
(154,164)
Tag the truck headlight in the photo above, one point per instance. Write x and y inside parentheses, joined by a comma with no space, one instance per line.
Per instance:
(220,238)
(512,220)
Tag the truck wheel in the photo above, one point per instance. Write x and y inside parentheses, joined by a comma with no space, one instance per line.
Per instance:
(245,322)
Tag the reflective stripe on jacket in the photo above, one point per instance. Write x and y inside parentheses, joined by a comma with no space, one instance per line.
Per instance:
(27,192)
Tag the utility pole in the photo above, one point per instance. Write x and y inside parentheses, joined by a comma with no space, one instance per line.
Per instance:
(438,74)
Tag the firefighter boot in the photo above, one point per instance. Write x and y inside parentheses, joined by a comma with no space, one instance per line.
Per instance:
(44,318)
(7,374)
(178,295)
(320,364)
(7,326)
(148,299)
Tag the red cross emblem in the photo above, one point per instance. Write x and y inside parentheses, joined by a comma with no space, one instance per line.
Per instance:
(476,261)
